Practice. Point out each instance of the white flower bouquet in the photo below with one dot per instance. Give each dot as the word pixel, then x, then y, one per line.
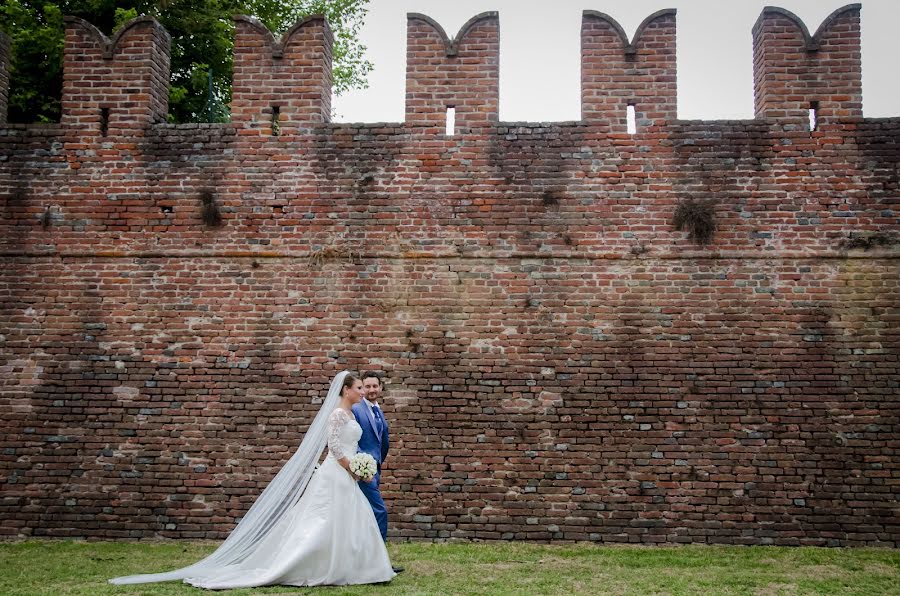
pixel 364 466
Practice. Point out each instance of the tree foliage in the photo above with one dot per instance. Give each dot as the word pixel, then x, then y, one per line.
pixel 202 42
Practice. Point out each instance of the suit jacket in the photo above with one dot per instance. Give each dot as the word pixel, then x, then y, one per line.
pixel 371 442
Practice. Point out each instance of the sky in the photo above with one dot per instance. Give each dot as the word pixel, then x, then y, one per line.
pixel 540 54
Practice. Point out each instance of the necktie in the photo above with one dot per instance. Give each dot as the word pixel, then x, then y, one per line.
pixel 379 419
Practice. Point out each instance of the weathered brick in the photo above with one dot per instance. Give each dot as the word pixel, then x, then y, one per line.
pixel 795 71
pixel 563 364
pixel 462 73
pixel 110 85
pixel 281 85
pixel 616 72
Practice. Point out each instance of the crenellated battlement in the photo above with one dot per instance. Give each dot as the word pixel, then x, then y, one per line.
pixel 795 72
pixel 616 72
pixel 284 85
pixel 281 85
pixel 114 106
pixel 111 85
pixel 462 73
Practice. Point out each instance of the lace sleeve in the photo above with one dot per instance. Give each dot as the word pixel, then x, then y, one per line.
pixel 336 422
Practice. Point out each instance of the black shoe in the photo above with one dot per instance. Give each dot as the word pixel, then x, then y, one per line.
pixel 398 569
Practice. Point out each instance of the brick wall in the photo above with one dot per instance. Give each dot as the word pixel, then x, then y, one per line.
pixel 563 364
pixel 114 87
pixel 616 73
pixel 794 71
pixel 281 86
pixel 463 74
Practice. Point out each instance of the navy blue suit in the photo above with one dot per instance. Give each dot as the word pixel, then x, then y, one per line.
pixel 374 441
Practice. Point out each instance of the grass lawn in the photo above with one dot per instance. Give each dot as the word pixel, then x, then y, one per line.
pixel 66 567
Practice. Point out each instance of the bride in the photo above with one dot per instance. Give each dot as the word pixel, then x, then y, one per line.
pixel 310 526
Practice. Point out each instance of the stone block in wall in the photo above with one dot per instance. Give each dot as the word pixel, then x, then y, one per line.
pixel 115 83
pixel 4 75
pixel 794 71
pixel 616 73
pixel 463 73
pixel 282 84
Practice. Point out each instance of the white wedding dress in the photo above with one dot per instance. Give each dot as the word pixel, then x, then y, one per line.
pixel 329 537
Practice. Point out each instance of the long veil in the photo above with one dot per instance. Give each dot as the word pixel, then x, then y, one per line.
pixel 278 497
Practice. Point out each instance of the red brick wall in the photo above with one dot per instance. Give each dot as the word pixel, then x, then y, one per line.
pixel 793 69
pixel 292 75
pixel 127 75
pixel 563 364
pixel 616 73
pixel 463 73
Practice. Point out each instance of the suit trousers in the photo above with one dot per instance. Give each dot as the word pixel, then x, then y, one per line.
pixel 373 494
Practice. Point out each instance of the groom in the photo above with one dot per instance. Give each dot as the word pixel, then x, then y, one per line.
pixel 374 441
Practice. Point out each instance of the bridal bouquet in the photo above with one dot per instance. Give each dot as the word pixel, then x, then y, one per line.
pixel 364 466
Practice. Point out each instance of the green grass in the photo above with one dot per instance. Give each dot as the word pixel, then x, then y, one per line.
pixel 66 567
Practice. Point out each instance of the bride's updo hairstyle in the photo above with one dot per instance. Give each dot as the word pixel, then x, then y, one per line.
pixel 349 380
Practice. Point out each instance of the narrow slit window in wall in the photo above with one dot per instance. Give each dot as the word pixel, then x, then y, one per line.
pixel 813 115
pixel 451 121
pixel 631 120
pixel 104 121
pixel 276 124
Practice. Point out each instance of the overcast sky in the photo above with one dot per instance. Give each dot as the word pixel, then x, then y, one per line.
pixel 540 53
